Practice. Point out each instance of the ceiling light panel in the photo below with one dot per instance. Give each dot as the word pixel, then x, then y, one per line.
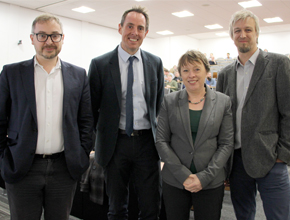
pixel 213 26
pixel 182 14
pixel 273 20
pixel 250 4
pixel 83 9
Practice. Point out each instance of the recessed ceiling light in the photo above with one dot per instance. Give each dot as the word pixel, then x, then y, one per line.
pixel 213 26
pixel 273 20
pixel 164 32
pixel 83 9
pixel 250 4
pixel 182 14
pixel 222 34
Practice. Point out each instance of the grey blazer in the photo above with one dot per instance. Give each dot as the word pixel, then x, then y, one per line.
pixel 213 145
pixel 265 127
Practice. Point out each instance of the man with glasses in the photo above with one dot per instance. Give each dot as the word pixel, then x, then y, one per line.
pixel 45 127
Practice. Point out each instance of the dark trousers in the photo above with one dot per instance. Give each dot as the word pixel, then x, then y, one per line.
pixel 207 204
pixel 274 189
pixel 48 186
pixel 136 159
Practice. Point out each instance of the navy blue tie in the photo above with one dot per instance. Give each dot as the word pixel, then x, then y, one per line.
pixel 129 99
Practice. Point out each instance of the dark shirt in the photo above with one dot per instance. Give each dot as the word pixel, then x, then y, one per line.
pixel 194 121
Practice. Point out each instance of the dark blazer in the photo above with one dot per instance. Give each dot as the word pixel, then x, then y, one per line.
pixel 265 128
pixel 213 145
pixel 105 83
pixel 18 120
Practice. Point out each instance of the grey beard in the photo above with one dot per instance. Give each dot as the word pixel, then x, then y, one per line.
pixel 244 49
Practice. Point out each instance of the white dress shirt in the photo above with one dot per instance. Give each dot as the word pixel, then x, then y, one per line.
pixel 141 119
pixel 49 108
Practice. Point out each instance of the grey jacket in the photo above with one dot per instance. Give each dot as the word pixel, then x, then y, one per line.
pixel 265 126
pixel 213 145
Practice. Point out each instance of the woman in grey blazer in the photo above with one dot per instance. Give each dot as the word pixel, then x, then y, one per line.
pixel 195 141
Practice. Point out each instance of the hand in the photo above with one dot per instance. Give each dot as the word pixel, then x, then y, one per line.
pixel 279 161
pixel 192 184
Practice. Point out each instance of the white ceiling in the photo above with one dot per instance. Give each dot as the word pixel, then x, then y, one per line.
pixel 108 14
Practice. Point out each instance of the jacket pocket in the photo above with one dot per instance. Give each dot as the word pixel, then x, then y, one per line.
pixel 12 137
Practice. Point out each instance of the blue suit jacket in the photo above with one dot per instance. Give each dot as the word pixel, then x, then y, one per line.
pixel 105 83
pixel 18 119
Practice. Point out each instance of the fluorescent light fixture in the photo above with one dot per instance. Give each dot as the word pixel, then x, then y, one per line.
pixel 250 4
pixel 83 9
pixel 165 32
pixel 273 20
pixel 182 14
pixel 222 34
pixel 213 26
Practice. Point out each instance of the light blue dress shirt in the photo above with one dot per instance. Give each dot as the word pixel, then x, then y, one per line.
pixel 244 75
pixel 141 119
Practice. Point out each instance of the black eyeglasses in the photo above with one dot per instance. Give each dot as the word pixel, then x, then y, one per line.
pixel 43 37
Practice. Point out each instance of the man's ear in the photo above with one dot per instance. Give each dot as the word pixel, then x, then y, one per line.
pixel 120 29
pixel 31 38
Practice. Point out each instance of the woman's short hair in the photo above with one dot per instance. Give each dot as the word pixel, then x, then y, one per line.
pixel 192 56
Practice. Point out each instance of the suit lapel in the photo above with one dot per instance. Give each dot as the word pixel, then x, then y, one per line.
pixel 66 72
pixel 232 85
pixel 205 116
pixel 260 65
pixel 147 69
pixel 115 72
pixel 184 113
pixel 27 74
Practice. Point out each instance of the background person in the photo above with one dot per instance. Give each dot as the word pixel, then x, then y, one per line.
pixel 171 84
pixel 194 140
pixel 211 82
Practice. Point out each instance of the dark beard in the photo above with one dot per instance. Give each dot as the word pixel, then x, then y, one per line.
pixel 208 78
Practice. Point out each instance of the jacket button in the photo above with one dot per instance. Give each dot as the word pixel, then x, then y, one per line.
pixel 191 152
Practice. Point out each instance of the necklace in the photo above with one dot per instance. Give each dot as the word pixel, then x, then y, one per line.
pixel 195 103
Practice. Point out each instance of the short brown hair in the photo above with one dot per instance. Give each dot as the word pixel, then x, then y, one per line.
pixel 192 56
pixel 44 18
pixel 138 10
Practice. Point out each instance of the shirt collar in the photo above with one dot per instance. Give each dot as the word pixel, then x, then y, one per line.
pixel 125 56
pixel 57 66
pixel 252 59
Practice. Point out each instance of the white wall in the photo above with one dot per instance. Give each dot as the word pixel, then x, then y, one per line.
pixel 84 41
pixel 274 42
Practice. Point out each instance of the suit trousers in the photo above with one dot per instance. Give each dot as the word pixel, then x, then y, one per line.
pixel 47 186
pixel 274 190
pixel 135 159
pixel 207 204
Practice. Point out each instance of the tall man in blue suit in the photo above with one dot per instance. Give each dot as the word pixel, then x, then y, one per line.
pixel 258 84
pixel 45 127
pixel 127 90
